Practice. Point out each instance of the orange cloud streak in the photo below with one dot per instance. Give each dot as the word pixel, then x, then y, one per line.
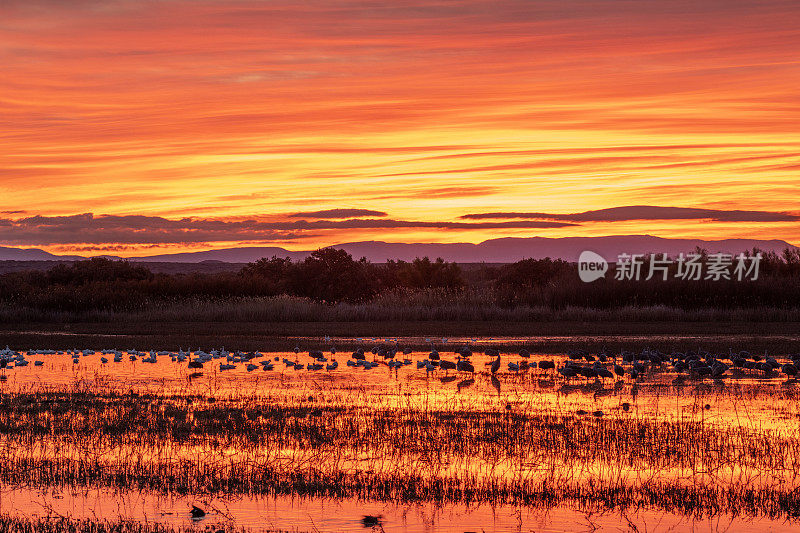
pixel 232 109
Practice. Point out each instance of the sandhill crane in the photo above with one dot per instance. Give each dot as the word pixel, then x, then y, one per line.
pixel 603 372
pixel 566 371
pixel 465 366
pixel 447 365
pixel 547 365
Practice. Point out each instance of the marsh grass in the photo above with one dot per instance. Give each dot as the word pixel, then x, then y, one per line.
pixel 479 305
pixel 17 524
pixel 326 446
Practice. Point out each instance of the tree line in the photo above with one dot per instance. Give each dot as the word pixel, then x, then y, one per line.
pixel 332 275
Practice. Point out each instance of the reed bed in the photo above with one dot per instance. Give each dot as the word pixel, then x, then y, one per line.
pixel 18 524
pixel 522 452
pixel 426 306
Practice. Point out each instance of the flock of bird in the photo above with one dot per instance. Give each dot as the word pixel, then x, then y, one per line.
pixel 578 364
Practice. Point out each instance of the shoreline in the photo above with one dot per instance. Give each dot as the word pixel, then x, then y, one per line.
pixel 543 337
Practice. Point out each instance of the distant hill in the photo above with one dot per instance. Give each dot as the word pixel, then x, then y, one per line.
pixel 225 255
pixel 506 250
pixel 32 254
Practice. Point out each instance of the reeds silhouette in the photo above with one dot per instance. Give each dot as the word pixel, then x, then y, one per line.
pixel 17 524
pixel 340 443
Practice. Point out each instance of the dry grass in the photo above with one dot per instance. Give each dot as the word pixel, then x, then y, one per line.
pixel 431 306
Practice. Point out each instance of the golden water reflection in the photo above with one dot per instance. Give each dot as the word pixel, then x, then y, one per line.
pixel 744 431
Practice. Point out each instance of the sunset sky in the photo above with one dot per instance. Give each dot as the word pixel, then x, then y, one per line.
pixel 139 127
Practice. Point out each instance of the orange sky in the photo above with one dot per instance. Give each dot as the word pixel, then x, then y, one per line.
pixel 236 114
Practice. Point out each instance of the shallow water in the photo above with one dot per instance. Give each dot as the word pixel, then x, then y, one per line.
pixel 742 394
pixel 745 401
pixel 327 515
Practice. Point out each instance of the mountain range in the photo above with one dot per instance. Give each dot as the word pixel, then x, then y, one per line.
pixel 505 250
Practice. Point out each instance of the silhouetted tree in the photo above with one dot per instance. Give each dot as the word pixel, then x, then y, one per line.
pixel 274 275
pixel 532 272
pixel 525 279
pixel 273 268
pixel 424 273
pixel 97 269
pixel 331 275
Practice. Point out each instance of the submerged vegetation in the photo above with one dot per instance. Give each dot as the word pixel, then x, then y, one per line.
pixel 698 435
pixel 62 524
pixel 330 286
pixel 532 447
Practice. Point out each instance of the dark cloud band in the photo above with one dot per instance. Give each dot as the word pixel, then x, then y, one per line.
pixel 339 213
pixel 87 228
pixel 645 212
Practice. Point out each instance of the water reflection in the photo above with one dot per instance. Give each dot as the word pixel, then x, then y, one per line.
pixel 551 443
pixel 328 515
